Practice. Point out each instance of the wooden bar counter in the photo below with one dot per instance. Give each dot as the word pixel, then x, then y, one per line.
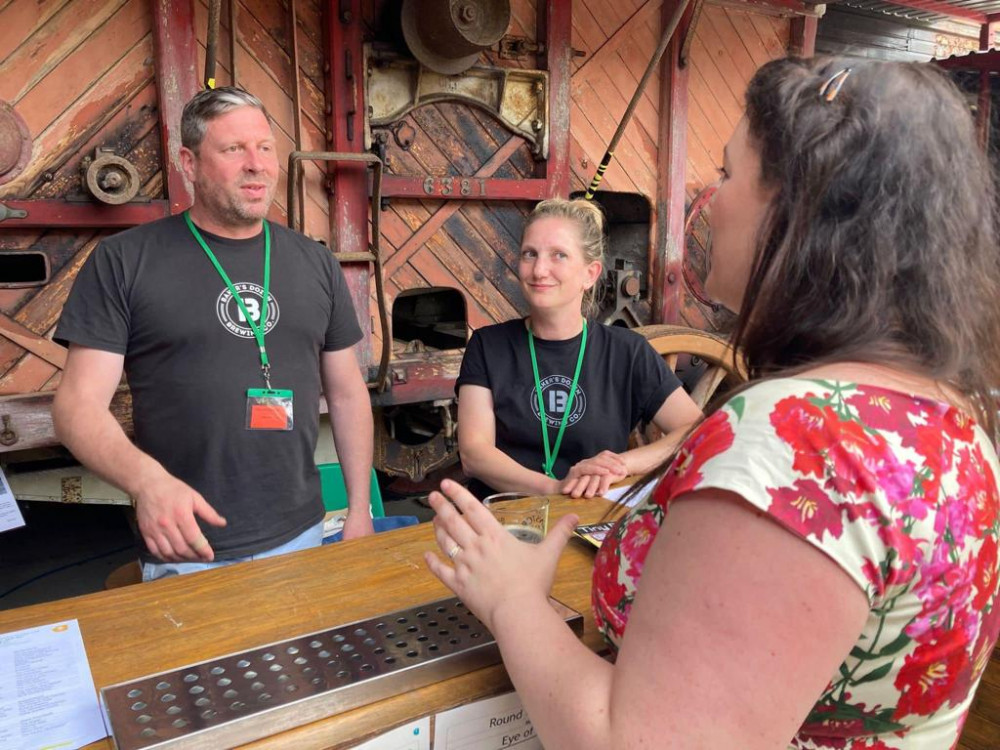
pixel 141 629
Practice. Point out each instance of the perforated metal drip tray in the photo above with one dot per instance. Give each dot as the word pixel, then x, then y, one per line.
pixel 242 697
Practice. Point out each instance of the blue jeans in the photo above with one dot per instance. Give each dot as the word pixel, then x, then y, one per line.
pixel 311 537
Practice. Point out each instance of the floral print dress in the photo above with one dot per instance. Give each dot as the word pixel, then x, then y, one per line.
pixel 900 491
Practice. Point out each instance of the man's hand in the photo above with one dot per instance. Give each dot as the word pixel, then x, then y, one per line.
pixel 357 525
pixel 165 509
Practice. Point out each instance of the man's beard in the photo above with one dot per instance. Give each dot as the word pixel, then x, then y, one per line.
pixel 231 210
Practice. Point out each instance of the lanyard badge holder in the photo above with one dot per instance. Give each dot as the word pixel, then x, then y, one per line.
pixel 553 453
pixel 267 408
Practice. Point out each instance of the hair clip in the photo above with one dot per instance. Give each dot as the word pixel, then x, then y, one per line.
pixel 829 90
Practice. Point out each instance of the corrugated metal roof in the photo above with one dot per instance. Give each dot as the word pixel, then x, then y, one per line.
pixel 986 7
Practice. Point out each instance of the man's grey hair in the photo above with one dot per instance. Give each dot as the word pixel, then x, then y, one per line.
pixel 206 105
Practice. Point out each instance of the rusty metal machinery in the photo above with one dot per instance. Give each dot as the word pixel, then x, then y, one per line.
pixel 414 440
pixel 518 98
pixel 109 177
pixel 619 294
pixel 15 143
pixel 447 36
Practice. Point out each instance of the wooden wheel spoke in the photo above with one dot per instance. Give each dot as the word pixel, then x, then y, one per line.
pixel 670 341
pixel 708 384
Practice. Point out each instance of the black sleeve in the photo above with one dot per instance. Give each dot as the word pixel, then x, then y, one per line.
pixel 343 330
pixel 652 384
pixel 473 370
pixel 96 313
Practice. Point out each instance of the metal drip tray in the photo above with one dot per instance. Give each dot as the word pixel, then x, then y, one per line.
pixel 243 697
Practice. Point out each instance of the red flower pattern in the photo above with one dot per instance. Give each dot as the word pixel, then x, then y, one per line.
pixel 859 469
pixel 985 581
pixel 807 509
pixel 928 675
pixel 712 437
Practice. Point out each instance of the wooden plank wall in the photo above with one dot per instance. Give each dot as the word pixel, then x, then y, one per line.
pixel 619 39
pixel 728 47
pixel 81 74
pixel 471 246
pixel 428 243
pixel 464 245
pixel 263 67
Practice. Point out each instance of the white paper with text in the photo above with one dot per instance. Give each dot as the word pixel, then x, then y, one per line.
pixel 47 695
pixel 413 736
pixel 619 492
pixel 493 724
pixel 10 513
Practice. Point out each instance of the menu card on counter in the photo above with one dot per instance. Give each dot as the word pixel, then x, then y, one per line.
pixel 10 514
pixel 47 695
pixel 492 724
pixel 413 736
pixel 618 493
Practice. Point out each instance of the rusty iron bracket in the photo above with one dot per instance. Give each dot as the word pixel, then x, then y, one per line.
pixel 7 436
pixel 11 213
pixel 518 98
pixel 295 159
pixel 515 47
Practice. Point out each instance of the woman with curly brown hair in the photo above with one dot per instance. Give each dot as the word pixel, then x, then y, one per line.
pixel 817 566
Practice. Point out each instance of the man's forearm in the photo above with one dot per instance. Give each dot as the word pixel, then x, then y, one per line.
pixel 95 438
pixel 353 436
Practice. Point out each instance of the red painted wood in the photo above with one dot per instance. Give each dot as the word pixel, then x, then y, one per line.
pixel 981 61
pixel 671 167
pixel 795 6
pixel 424 381
pixel 803 36
pixel 49 214
pixel 176 82
pixel 349 202
pixel 718 32
pixel 453 188
pixel 555 21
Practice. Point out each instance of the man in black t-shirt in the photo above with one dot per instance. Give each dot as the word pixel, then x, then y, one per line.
pixel 227 328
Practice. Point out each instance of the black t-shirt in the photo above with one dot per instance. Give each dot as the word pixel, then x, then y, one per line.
pixel 151 294
pixel 623 382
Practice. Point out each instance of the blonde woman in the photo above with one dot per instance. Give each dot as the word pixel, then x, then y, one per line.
pixel 546 403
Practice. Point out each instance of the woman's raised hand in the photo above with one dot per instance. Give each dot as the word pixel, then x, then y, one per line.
pixel 490 569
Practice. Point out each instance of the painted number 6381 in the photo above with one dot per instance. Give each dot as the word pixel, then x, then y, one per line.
pixel 449 186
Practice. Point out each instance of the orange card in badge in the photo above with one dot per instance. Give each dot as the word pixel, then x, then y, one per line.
pixel 268 417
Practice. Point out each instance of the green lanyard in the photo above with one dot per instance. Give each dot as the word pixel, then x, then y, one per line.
pixel 258 330
pixel 550 455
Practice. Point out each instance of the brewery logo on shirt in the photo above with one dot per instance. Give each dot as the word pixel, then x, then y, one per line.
pixel 555 395
pixel 232 317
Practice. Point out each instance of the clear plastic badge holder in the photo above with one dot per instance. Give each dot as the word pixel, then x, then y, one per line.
pixel 269 409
